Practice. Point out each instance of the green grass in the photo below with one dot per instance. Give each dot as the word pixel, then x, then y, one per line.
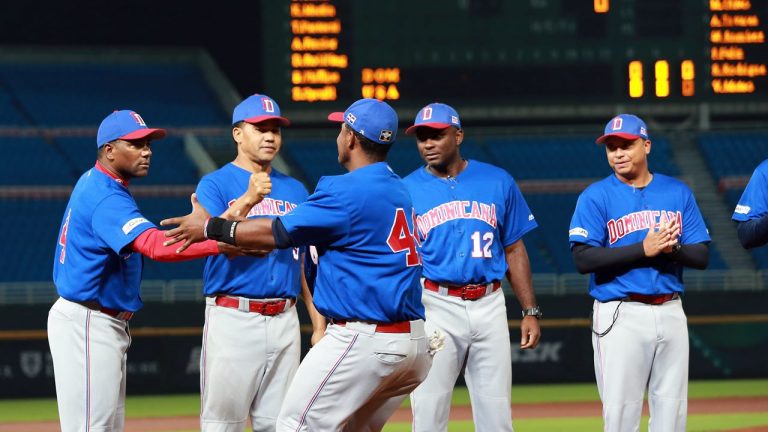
pixel 188 405
pixel 727 388
pixel 163 406
pixel 696 423
pixel 537 393
pixel 21 410
pixel 454 426
pixel 588 392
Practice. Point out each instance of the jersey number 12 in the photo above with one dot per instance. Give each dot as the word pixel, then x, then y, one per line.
pixel 402 239
pixel 485 252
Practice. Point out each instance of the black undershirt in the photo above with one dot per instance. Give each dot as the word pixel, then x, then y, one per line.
pixel 754 232
pixel 590 259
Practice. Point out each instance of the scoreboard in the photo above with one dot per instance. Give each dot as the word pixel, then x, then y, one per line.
pixel 318 54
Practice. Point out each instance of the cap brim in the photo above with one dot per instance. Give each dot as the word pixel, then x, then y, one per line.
pixel 258 119
pixel 148 133
pixel 411 130
pixel 623 135
pixel 336 117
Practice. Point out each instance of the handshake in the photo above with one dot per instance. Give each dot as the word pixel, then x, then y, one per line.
pixel 191 228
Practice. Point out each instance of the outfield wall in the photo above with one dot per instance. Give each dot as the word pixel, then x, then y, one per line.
pixel 728 333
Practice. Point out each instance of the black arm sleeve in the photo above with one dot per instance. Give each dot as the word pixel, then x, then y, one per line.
pixel 590 259
pixel 695 255
pixel 754 232
pixel 282 239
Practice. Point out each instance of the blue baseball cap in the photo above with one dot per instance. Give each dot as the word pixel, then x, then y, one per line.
pixel 256 109
pixel 435 116
pixel 127 125
pixel 625 126
pixel 371 118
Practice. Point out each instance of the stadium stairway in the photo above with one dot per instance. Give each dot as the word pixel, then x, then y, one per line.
pixel 718 215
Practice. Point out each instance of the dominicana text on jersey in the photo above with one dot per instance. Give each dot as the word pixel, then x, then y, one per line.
pixel 479 213
pixel 610 213
pixel 279 271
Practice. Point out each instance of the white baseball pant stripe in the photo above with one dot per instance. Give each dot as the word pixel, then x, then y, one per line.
pixel 477 344
pixel 89 364
pixel 646 348
pixel 325 381
pixel 354 379
pixel 246 365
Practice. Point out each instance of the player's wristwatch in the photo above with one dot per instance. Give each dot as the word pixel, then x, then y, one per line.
pixel 534 311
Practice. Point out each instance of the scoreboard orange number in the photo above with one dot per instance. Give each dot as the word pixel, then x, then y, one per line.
pixel 687 73
pixel 635 79
pixel 661 70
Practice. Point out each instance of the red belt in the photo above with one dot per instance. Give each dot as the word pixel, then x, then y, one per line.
pixel 656 299
pixel 268 308
pixel 466 292
pixel 396 327
pixel 114 313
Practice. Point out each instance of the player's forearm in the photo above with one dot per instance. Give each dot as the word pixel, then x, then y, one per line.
pixel 249 234
pixel 694 255
pixel 150 244
pixel 519 274
pixel 255 234
pixel 240 208
pixel 259 185
pixel 754 232
pixel 590 259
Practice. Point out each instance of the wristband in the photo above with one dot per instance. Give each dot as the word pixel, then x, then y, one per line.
pixel 221 230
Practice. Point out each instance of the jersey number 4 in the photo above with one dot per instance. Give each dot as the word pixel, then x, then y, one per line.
pixel 401 239
pixel 63 238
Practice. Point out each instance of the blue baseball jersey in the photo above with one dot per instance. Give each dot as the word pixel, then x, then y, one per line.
pixel 610 213
pixel 466 222
pixel 93 260
pixel 361 224
pixel 754 203
pixel 276 275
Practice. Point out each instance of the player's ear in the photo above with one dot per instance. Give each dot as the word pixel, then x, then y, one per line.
pixel 108 150
pixel 350 139
pixel 459 136
pixel 237 133
pixel 647 146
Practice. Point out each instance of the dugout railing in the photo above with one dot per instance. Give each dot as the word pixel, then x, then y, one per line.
pixel 185 290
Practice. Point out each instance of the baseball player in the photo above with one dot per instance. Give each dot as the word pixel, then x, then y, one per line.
pixel 251 339
pixel 471 218
pixel 97 272
pixel 375 351
pixel 634 231
pixel 752 210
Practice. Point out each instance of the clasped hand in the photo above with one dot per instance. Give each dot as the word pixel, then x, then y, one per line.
pixel 661 240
